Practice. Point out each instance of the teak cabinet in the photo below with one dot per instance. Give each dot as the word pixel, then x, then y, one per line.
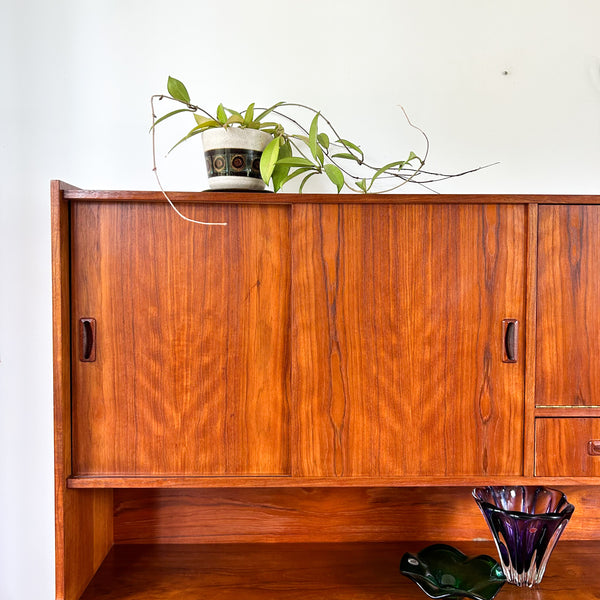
pixel 323 376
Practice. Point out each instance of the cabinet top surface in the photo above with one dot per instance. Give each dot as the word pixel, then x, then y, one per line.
pixel 71 193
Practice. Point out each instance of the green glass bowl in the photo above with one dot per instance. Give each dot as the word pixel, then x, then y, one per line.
pixel 442 571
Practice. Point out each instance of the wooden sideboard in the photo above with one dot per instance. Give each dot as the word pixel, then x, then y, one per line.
pixel 280 407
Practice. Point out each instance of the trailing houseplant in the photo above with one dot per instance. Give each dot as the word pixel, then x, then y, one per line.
pixel 295 149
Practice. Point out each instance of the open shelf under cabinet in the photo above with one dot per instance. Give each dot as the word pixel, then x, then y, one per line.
pixel 292 543
pixel 340 571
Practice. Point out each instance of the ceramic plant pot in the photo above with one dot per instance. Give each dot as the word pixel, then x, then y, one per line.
pixel 526 522
pixel 232 157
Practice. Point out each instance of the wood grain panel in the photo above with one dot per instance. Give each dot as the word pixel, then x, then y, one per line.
pixel 568 317
pixel 191 371
pixel 561 447
pixel 318 515
pixel 397 328
pixel 311 572
pixel 87 538
pixel 295 515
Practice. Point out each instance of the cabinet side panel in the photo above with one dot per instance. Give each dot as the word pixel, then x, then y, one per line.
pixel 61 372
pixel 83 522
pixel 568 318
pixel 191 370
pixel 398 356
pixel 88 537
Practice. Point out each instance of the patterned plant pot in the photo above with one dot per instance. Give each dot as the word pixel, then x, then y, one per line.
pixel 526 522
pixel 232 157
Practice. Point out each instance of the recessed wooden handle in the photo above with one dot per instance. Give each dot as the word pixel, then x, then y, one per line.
pixel 87 340
pixel 510 333
pixel 594 447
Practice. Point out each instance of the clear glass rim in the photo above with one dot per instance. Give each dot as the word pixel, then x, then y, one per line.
pixel 566 510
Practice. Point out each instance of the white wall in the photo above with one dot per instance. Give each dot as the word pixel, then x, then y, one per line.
pixel 76 81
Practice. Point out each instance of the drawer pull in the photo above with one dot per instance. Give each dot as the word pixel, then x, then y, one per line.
pixel 594 447
pixel 87 340
pixel 510 333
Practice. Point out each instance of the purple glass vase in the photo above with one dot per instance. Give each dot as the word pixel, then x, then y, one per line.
pixel 526 522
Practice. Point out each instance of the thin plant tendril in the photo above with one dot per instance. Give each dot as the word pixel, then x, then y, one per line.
pixel 154 168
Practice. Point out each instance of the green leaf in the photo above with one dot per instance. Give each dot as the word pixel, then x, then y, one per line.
pixel 349 145
pixel 234 119
pixel 384 169
pixel 323 139
pixel 270 127
pixel 268 110
pixel 190 134
pixel 231 111
pixel 412 156
pixel 206 122
pixel 362 184
pixel 221 114
pixel 177 90
pixel 272 130
pixel 335 175
pixel 320 155
pixel 249 115
pixel 297 161
pixel 280 171
pixel 269 159
pixel 302 138
pixel 312 135
pixel 346 155
pixel 295 174
pixel 305 180
pixel 179 110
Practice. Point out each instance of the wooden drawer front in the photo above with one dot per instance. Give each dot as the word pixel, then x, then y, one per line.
pixel 567 447
pixel 568 295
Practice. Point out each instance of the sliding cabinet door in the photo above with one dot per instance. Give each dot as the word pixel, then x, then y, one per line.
pixel 399 342
pixel 181 340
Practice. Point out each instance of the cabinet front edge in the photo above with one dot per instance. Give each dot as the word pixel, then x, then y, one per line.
pixel 81 482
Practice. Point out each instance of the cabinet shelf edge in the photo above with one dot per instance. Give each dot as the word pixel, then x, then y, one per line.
pixel 89 482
